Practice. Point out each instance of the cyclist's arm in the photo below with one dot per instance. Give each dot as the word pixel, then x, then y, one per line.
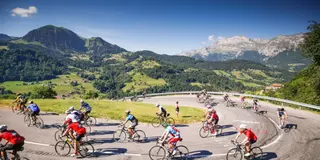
pixel 66 132
pixel 238 135
pixel 245 140
pixel 163 136
pixel 286 115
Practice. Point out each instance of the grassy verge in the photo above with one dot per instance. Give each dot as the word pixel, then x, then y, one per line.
pixel 115 110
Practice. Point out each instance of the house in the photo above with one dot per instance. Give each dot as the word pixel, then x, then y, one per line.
pixel 274 86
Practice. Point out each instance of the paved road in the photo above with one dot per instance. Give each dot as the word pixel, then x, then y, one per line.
pixel 300 143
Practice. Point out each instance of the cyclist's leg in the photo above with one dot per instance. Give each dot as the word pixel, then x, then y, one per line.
pixel 172 142
pixel 77 143
pixel 5 149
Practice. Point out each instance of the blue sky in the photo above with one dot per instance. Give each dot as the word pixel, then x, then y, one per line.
pixel 164 26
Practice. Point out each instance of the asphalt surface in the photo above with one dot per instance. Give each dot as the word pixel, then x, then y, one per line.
pixel 300 143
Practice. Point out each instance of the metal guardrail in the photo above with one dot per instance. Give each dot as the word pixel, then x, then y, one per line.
pixel 233 94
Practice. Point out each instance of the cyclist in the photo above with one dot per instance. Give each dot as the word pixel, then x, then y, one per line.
pixel 225 96
pixel 162 111
pixel 71 117
pixel 204 92
pixel 87 108
pixel 174 132
pixel 250 139
pixel 255 104
pixel 177 108
pixel 282 114
pixel 243 98
pixel 21 101
pixel 77 132
pixel 34 109
pixel 213 117
pixel 133 120
pixel 15 142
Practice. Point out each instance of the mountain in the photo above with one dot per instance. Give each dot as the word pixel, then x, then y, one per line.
pixel 97 47
pixel 258 50
pixel 4 37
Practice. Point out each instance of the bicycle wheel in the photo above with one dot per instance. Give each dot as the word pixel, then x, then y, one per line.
pixel 233 154
pixel 156 122
pixel 256 153
pixel 139 136
pixel 88 128
pixel 57 135
pixel 86 149
pixel 91 121
pixel 157 153
pixel 39 123
pixel 182 152
pixel 119 135
pixel 170 120
pixel 62 148
pixel 204 132
pixel 27 120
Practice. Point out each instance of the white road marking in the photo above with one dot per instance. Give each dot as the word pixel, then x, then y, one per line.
pixel 39 144
pixel 249 122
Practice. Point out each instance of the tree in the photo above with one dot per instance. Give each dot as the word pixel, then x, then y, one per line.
pixel 43 92
pixel 311 45
pixel 91 94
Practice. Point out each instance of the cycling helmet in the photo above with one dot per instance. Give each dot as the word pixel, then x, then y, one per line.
pixel 67 112
pixel 177 102
pixel 209 106
pixel 210 109
pixel 31 102
pixel 157 105
pixel 3 128
pixel 71 108
pixel 81 100
pixel 127 111
pixel 282 109
pixel 18 94
pixel 243 126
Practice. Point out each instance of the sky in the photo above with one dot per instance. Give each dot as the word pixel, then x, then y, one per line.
pixel 164 26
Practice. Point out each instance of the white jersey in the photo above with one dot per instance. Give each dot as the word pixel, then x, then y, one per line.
pixel 73 117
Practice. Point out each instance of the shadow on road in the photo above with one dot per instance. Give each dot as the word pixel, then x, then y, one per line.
pixel 100 132
pixel 288 127
pixel 107 124
pixel 297 117
pixel 101 140
pixel 181 125
pixel 199 154
pixel 227 133
pixel 226 126
pixel 49 113
pixel 48 126
pixel 269 155
pixel 151 139
pixel 101 152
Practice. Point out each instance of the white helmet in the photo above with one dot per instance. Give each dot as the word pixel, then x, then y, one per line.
pixel 127 111
pixel 243 126
pixel 31 101
pixel 81 100
pixel 71 108
pixel 3 127
pixel 157 105
pixel 209 106
pixel 67 112
pixel 210 109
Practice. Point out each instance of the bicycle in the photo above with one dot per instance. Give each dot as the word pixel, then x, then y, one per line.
pixel 16 156
pixel 230 103
pixel 86 149
pixel 239 150
pixel 120 135
pixel 157 121
pixel 161 151
pixel 62 129
pixel 28 120
pixel 208 128
pixel 91 121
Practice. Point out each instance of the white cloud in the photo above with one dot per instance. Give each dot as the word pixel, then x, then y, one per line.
pixel 211 38
pixel 204 43
pixel 221 38
pixel 22 12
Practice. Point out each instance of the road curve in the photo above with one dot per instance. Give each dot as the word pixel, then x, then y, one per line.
pixel 300 143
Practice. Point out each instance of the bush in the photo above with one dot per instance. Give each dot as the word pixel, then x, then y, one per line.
pixel 91 95
pixel 43 92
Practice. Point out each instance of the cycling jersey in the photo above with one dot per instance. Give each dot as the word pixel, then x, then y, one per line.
pixel 34 108
pixel 161 109
pixel 215 116
pixel 86 106
pixel 173 131
pixel 281 113
pixel 77 128
pixel 73 118
pixel 251 136
pixel 131 118
pixel 12 136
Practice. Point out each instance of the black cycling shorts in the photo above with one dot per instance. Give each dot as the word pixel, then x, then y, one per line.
pixel 14 147
pixel 133 125
pixel 177 109
pixel 79 137
pixel 35 113
pixel 87 112
pixel 216 122
pixel 163 113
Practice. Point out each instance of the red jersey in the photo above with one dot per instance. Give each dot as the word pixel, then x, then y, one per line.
pixel 249 134
pixel 12 136
pixel 215 116
pixel 77 127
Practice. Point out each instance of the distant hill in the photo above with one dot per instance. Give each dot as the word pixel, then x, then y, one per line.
pixel 4 37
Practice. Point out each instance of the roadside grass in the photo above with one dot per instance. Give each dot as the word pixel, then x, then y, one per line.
pixel 115 110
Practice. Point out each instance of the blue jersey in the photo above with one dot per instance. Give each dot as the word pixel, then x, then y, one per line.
pixel 86 106
pixel 172 131
pixel 34 108
pixel 131 118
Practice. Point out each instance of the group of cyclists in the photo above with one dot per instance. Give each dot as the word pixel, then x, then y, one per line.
pixel 75 129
